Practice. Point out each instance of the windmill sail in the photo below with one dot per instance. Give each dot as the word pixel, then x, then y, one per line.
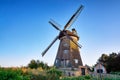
pixel 43 53
pixel 72 19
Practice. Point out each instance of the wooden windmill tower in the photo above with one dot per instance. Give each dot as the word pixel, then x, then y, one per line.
pixel 68 54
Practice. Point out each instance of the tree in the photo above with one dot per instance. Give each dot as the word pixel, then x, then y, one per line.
pixel 110 61
pixel 36 63
pixel 33 64
pixel 104 59
pixel 111 64
pixel 118 62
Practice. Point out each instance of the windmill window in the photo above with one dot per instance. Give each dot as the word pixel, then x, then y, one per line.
pixel 56 60
pixel 67 62
pixel 66 51
pixel 65 45
pixel 76 60
pixel 99 71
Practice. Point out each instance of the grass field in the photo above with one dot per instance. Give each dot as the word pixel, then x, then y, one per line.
pixel 52 74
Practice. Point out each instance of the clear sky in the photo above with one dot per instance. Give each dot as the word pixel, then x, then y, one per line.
pixel 25 31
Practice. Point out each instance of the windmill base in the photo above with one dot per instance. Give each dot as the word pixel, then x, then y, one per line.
pixel 82 70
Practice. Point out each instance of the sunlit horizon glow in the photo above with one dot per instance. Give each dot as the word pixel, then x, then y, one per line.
pixel 25 31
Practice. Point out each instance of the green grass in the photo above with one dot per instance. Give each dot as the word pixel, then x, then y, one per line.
pixel 40 74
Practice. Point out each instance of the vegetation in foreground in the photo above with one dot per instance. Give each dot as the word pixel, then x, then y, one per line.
pixel 35 74
pixel 40 74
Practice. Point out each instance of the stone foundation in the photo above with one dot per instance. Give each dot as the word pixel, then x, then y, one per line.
pixel 82 70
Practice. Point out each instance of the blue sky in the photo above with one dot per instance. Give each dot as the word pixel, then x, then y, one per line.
pixel 25 31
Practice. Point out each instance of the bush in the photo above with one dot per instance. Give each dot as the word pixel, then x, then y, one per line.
pixel 53 74
pixel 12 74
pixel 37 77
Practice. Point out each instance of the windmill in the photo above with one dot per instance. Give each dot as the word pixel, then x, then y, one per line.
pixel 68 54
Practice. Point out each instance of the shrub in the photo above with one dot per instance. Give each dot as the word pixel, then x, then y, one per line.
pixel 53 74
pixel 12 74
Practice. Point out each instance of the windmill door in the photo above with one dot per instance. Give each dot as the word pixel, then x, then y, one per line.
pixel 83 71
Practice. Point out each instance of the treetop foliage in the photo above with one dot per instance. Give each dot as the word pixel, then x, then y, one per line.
pixel 111 61
pixel 34 64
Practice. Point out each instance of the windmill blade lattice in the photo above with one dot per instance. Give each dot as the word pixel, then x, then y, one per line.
pixel 56 27
pixel 72 19
pixel 43 53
